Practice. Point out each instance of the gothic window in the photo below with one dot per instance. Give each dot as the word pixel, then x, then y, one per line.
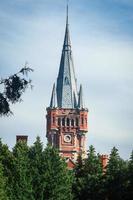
pixel 59 121
pixel 77 122
pixel 63 122
pixel 66 80
pixel 86 120
pixel 53 120
pixel 68 122
pixel 82 120
pixel 72 122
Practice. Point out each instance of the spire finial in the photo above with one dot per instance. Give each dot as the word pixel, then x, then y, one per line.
pixel 67 12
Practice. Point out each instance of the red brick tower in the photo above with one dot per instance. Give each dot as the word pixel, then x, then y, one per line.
pixel 21 138
pixel 104 160
pixel 67 118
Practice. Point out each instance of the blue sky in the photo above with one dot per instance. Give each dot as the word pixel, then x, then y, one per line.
pixel 102 43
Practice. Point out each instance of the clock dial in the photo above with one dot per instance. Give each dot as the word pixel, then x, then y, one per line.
pixel 67 138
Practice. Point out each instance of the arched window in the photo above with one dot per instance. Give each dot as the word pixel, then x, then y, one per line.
pixel 66 80
pixel 77 122
pixel 86 120
pixel 59 121
pixel 63 121
pixel 53 119
pixel 82 120
pixel 72 122
pixel 68 122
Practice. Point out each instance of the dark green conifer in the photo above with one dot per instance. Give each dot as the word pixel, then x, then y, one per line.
pixel 3 192
pixel 130 178
pixel 21 180
pixel 90 187
pixel 37 169
pixel 79 174
pixel 58 179
pixel 6 159
pixel 94 176
pixel 116 177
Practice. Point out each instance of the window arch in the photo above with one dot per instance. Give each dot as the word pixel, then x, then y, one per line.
pixel 53 119
pixel 82 120
pixel 66 80
pixel 86 120
pixel 72 122
pixel 59 121
pixel 68 121
pixel 63 121
pixel 77 122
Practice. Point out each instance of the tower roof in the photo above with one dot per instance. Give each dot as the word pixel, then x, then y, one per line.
pixel 66 89
pixel 64 94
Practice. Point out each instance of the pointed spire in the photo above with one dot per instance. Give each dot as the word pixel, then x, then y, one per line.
pixel 80 100
pixel 53 98
pixel 67 96
pixel 67 14
pixel 67 42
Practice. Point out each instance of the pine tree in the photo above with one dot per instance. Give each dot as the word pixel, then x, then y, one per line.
pixel 37 169
pixel 94 176
pixel 79 174
pixel 116 177
pixel 3 192
pixel 21 180
pixel 130 178
pixel 58 179
pixel 6 159
pixel 91 181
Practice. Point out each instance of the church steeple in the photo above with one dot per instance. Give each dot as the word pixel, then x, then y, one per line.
pixel 67 120
pixel 66 89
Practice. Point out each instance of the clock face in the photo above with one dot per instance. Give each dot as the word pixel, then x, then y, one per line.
pixel 67 138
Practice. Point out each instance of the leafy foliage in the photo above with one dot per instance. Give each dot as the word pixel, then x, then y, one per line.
pixel 3 193
pixel 130 178
pixel 36 173
pixel 13 88
pixel 6 160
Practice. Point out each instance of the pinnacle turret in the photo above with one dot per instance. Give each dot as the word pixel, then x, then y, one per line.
pixel 80 100
pixel 53 98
